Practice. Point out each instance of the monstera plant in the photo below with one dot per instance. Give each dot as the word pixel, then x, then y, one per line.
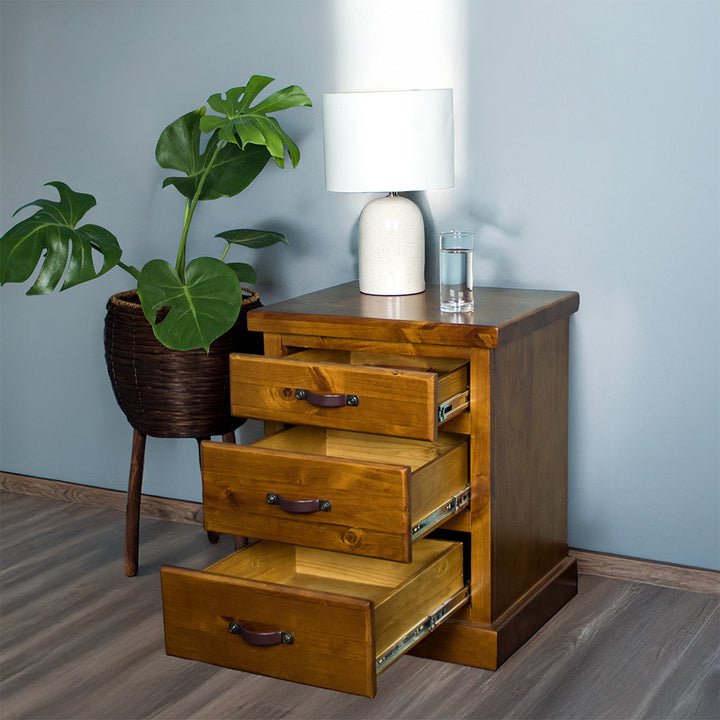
pixel 213 154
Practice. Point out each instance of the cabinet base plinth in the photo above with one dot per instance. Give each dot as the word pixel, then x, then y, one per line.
pixel 488 646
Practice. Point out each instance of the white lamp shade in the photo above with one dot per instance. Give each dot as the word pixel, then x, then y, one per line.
pixel 390 141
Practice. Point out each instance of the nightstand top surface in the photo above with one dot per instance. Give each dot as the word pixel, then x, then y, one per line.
pixel 500 315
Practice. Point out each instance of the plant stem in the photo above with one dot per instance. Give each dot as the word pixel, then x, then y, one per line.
pixel 190 206
pixel 180 264
pixel 129 269
pixel 225 252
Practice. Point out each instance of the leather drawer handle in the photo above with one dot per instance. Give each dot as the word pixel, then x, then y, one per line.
pixel 298 506
pixel 327 400
pixel 261 639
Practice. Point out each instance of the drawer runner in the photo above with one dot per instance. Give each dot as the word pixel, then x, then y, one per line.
pixel 422 629
pixel 453 406
pixel 451 507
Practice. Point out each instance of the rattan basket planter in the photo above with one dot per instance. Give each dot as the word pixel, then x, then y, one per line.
pixel 172 393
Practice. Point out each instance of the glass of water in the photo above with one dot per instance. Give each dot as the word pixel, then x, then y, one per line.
pixel 456 272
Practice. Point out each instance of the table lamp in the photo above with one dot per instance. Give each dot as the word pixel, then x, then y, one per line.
pixel 389 141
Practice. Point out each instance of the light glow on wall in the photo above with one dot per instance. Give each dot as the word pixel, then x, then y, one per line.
pixel 404 45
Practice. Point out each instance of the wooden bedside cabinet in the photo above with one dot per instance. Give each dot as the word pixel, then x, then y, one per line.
pixel 410 492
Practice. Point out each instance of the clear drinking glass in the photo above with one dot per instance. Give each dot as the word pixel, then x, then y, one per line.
pixel 456 271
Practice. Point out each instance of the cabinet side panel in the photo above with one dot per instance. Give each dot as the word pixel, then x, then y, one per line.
pixel 529 461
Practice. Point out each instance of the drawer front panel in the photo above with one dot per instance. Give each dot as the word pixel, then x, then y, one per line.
pixel 388 401
pixel 308 615
pixel 347 504
pixel 332 635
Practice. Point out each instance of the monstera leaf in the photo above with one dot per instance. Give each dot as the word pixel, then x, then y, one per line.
pixel 201 307
pixel 212 156
pixel 252 239
pixel 244 126
pixel 224 170
pixel 67 249
pixel 245 273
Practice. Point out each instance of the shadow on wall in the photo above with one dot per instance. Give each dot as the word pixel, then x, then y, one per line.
pixel 492 263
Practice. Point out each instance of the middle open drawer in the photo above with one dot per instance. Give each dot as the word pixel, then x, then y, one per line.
pixel 351 492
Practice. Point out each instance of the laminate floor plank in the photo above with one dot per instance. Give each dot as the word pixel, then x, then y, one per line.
pixel 80 640
pixel 616 642
pixel 690 688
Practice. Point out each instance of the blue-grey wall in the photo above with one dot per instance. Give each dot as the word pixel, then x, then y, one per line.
pixel 588 158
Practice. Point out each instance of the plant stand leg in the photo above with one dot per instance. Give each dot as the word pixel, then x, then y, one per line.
pixel 132 511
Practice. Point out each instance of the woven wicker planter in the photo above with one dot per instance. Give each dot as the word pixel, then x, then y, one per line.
pixel 171 393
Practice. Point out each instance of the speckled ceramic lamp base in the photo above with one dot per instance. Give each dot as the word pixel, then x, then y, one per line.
pixel 392 247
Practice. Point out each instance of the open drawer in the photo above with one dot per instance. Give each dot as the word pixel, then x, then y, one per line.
pixel 310 616
pixel 350 492
pixel 399 395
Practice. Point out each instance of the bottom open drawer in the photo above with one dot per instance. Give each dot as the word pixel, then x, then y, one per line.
pixel 312 616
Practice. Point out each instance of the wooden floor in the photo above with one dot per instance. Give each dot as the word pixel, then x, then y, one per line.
pixel 80 640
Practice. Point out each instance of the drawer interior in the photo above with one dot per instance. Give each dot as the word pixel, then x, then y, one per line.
pixel 452 372
pixel 403 595
pixel 387 360
pixel 431 486
pixel 360 446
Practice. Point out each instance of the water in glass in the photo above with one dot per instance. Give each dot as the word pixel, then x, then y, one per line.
pixel 456 272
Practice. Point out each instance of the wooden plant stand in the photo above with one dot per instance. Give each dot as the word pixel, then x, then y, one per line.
pixel 134 496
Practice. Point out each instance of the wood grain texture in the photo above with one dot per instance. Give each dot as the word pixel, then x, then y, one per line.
pixel 134 496
pixel 529 417
pixel 297 340
pixel 501 315
pixel 264 388
pixel 669 575
pixel 480 477
pixel 80 641
pixel 179 511
pixel 461 640
pixel 681 577
pixel 341 613
pixel 330 631
pixel 378 488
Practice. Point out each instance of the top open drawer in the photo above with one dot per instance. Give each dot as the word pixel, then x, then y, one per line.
pixel 398 395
